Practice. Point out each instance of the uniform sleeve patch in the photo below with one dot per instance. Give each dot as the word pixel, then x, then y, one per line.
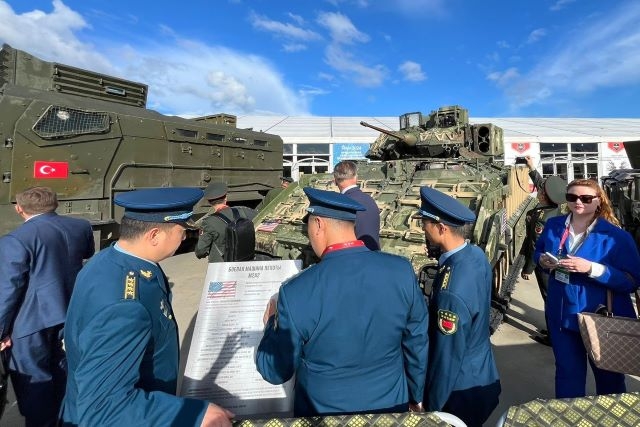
pixel 447 322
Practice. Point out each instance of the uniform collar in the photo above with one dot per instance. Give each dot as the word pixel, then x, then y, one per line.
pixel 443 258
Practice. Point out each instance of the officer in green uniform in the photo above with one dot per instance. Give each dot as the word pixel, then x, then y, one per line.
pixel 121 335
pixel 212 240
pixel 273 193
pixel 551 194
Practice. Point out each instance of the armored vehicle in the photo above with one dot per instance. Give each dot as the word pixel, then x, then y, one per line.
pixel 89 136
pixel 441 150
pixel 623 189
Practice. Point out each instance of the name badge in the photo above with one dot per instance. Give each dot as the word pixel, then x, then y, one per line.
pixel 562 276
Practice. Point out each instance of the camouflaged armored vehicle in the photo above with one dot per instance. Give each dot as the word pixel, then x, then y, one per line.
pixel 623 189
pixel 89 136
pixel 441 150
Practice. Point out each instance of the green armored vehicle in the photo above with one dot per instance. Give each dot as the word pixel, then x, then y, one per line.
pixel 441 150
pixel 623 189
pixel 89 136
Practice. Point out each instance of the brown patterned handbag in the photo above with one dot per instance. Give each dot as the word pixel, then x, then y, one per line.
pixel 613 343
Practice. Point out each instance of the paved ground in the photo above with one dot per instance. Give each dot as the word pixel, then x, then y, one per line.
pixel 526 367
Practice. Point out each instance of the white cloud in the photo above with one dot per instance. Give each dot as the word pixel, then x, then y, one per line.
pixel 502 78
pixel 296 18
pixel 560 4
pixel 50 35
pixel 286 30
pixel 502 44
pixel 344 34
pixel 341 28
pixel 362 75
pixel 605 53
pixel 185 77
pixel 536 35
pixel 294 47
pixel 412 71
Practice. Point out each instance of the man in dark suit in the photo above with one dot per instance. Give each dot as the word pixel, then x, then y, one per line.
pixel 345 175
pixel 39 262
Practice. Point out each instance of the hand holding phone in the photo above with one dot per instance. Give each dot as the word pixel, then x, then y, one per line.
pixel 552 257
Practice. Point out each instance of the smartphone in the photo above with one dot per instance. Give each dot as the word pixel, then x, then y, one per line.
pixel 552 256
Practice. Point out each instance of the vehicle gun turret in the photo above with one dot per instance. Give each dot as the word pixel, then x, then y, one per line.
pixel 444 133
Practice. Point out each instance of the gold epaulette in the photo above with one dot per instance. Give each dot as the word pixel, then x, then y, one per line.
pixel 131 286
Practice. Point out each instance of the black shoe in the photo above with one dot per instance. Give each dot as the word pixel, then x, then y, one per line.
pixel 542 339
pixel 544 332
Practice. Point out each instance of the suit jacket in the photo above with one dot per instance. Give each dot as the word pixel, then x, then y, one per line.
pixel 39 262
pixel 367 221
pixel 356 338
pixel 121 339
pixel 606 244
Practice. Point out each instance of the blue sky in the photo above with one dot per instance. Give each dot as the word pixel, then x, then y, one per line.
pixel 531 58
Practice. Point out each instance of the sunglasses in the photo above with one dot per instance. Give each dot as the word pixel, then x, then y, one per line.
pixel 584 198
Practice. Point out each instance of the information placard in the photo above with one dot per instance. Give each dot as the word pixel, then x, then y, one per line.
pixel 221 363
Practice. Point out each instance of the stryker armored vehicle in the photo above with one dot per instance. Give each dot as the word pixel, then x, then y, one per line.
pixel 623 189
pixel 89 136
pixel 443 151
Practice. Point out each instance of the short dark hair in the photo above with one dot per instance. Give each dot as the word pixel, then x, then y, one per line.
pixel 131 229
pixel 37 200
pixel 344 170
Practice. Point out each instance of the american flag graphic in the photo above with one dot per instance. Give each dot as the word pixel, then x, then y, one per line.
pixel 222 290
pixel 268 226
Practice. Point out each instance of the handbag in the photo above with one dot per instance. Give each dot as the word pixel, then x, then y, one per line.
pixel 613 343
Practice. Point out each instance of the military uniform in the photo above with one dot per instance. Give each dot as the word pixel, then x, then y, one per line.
pixel 121 336
pixel 212 240
pixel 462 377
pixel 554 188
pixel 356 338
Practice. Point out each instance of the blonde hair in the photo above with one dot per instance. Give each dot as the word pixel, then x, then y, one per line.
pixel 605 210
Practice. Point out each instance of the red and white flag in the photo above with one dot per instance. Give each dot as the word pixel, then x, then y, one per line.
pixel 50 170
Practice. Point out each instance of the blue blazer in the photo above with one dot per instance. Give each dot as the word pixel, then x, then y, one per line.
pixel 353 328
pixel 121 340
pixel 608 245
pixel 39 262
pixel 367 221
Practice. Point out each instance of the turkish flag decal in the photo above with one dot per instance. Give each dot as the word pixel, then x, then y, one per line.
pixel 49 170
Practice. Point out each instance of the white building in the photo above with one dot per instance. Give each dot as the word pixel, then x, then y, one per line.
pixel 570 147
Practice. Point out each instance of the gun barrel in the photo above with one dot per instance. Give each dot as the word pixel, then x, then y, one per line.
pixel 408 139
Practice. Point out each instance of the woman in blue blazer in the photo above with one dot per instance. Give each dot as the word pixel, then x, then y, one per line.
pixel 586 253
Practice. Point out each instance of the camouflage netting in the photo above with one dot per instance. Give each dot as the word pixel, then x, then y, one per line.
pixel 410 419
pixel 609 411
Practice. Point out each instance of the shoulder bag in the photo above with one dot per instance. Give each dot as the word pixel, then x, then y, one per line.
pixel 613 343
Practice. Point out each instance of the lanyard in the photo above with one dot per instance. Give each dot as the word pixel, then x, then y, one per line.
pixel 577 245
pixel 345 245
